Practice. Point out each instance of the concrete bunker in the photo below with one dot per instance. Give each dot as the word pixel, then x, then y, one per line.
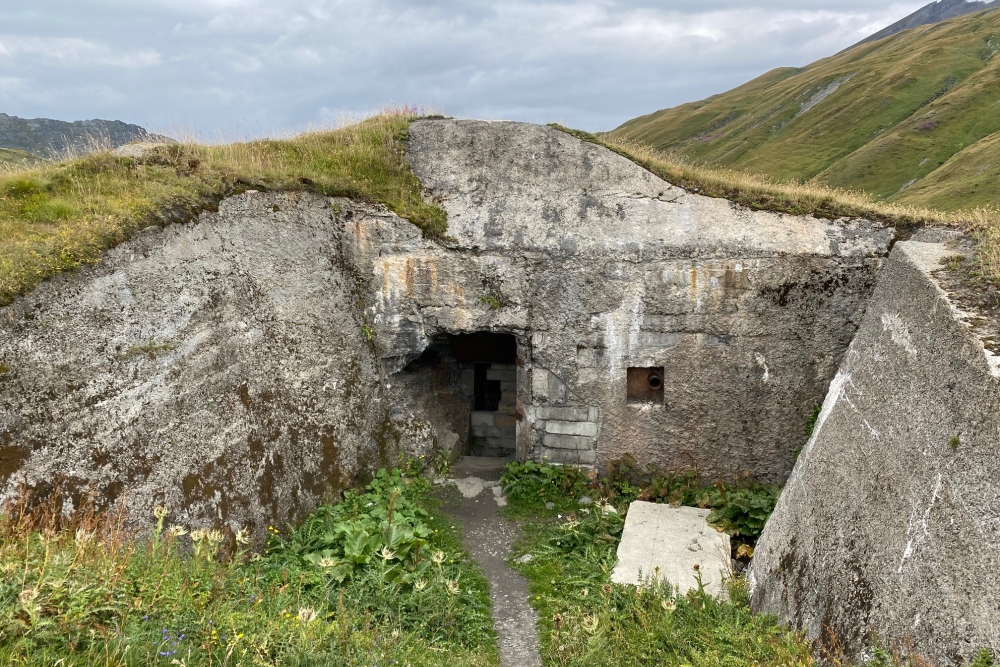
pixel 299 361
pixel 681 330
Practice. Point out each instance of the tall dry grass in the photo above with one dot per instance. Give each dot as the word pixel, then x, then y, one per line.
pixel 759 191
pixel 58 216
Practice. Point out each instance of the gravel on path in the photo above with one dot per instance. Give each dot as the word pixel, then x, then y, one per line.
pixel 489 538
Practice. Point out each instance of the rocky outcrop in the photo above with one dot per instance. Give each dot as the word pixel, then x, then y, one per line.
pixel 238 367
pixel 934 12
pixel 889 528
pixel 220 368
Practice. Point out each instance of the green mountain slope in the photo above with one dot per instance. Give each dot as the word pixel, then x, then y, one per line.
pixel 901 118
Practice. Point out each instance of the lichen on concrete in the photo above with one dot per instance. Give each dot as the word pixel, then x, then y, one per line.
pixel 262 395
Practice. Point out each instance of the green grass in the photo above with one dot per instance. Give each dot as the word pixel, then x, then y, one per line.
pixel 586 620
pixel 740 509
pixel 907 106
pixel 85 592
pixel 58 216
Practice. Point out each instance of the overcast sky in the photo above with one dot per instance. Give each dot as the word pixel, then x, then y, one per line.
pixel 235 68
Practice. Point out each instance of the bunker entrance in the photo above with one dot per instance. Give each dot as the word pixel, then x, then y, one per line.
pixel 466 385
pixel 492 422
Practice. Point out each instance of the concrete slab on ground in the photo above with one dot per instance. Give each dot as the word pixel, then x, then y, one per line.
pixel 667 543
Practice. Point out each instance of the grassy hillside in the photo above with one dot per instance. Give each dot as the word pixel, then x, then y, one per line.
pixel 898 118
pixel 57 139
pixel 61 215
pixel 14 160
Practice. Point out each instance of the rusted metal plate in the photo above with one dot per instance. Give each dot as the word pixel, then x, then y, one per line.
pixel 645 385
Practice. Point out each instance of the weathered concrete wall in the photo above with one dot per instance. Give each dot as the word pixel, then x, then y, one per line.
pixel 220 368
pixel 237 367
pixel 600 266
pixel 890 524
pixel 440 390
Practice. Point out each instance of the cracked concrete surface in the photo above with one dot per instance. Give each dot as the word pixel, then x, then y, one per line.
pixel 489 537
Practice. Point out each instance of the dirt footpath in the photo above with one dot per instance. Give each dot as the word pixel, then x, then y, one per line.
pixel 489 538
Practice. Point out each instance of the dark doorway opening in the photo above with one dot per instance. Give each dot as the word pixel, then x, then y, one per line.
pixel 488 392
pixel 484 348
pixel 493 421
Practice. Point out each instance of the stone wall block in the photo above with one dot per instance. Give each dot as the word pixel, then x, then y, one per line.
pixel 564 414
pixel 588 429
pixel 501 375
pixel 506 421
pixel 568 456
pixel 539 384
pixel 555 441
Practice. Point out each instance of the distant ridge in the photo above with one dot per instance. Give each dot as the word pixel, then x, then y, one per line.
pixel 935 12
pixel 47 138
pixel 912 119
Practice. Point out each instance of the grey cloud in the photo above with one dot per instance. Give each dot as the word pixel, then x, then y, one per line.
pixel 255 67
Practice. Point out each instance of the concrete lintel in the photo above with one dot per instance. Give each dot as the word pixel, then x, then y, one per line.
pixel 669 543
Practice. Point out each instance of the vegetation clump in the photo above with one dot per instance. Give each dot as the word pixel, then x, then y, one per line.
pixel 569 552
pixel 586 620
pixel 378 578
pixel 741 509
pixel 58 216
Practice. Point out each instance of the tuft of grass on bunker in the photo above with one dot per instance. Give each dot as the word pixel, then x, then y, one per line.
pixel 586 620
pixel 378 578
pixel 58 216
